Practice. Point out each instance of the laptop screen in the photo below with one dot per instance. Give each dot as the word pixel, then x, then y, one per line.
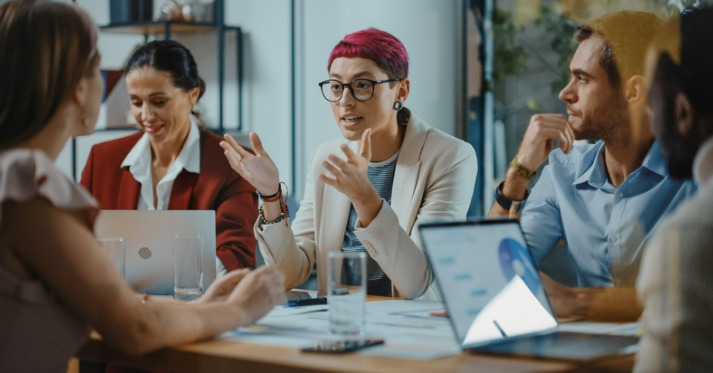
pixel 487 279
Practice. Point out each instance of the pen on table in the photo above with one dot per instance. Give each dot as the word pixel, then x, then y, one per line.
pixel 500 329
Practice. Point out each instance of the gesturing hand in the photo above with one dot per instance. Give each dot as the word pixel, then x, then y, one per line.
pixel 350 178
pixel 258 169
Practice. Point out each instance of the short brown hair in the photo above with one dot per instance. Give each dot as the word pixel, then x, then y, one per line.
pixel 627 34
pixel 47 47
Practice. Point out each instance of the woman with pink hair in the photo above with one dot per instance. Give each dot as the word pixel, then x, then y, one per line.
pixel 369 193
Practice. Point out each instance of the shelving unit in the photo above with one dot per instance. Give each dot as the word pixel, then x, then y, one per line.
pixel 218 26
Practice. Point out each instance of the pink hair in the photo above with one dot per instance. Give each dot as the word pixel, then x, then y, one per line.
pixel 379 46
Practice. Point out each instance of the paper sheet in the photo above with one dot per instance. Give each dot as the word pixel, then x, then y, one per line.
pixel 408 330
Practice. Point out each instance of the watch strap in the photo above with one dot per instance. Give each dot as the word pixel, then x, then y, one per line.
pixel 506 202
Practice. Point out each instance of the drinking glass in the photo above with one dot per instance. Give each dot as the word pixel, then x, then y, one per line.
pixel 346 293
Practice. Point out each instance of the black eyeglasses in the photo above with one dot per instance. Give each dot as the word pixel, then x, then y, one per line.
pixel 361 89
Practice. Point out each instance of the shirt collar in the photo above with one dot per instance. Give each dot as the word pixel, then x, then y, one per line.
pixel 190 154
pixel 596 174
pixel 593 169
pixel 140 154
pixel 655 161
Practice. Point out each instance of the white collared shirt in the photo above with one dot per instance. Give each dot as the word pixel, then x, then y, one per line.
pixel 139 162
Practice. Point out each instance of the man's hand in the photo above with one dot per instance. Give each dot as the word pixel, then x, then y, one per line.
pixel 596 303
pixel 539 139
pixel 542 132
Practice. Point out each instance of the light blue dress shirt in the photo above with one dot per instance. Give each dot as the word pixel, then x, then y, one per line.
pixel 605 228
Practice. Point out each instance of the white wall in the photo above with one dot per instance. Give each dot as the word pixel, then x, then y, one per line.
pixel 430 30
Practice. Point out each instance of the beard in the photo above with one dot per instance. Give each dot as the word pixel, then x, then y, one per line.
pixel 679 149
pixel 610 122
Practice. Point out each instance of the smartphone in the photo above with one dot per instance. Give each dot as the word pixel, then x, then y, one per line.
pixel 342 346
pixel 302 298
pixel 306 302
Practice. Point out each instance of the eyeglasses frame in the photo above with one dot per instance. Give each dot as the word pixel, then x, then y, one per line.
pixel 351 89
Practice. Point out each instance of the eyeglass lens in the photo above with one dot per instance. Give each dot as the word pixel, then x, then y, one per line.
pixel 361 89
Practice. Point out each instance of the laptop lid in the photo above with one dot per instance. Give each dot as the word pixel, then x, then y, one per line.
pixel 149 244
pixel 487 279
pixel 494 296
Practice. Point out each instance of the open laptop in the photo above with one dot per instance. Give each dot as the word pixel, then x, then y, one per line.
pixel 494 297
pixel 149 244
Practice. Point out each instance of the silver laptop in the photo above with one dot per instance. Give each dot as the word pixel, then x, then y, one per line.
pixel 149 244
pixel 494 297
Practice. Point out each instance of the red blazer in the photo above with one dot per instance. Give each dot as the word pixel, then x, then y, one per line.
pixel 217 187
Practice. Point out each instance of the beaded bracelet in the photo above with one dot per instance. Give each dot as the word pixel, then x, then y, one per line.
pixel 284 211
pixel 285 214
pixel 522 171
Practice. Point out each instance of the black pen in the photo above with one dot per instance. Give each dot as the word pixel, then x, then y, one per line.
pixel 306 302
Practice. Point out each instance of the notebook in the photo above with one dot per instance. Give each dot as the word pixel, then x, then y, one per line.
pixel 495 300
pixel 149 244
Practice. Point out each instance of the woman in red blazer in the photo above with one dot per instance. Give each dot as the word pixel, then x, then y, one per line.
pixel 172 164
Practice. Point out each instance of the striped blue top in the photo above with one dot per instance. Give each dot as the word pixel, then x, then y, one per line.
pixel 381 176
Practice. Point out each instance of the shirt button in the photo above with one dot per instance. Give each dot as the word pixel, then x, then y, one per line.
pixel 613 239
pixel 620 195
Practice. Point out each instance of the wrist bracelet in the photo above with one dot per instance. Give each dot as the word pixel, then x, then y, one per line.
pixel 522 171
pixel 271 197
pixel 277 197
pixel 283 215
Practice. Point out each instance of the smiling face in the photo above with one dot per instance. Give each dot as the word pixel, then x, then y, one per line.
pixel 596 109
pixel 161 109
pixel 354 117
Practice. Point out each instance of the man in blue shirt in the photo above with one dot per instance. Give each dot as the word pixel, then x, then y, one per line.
pixel 602 199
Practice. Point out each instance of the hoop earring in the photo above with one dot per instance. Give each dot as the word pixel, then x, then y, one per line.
pixel 398 105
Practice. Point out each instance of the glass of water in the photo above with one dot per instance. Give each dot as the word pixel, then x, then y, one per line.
pixel 346 291
pixel 187 267
pixel 115 248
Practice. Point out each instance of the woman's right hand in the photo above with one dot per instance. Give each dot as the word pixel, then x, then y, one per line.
pixel 258 292
pixel 258 169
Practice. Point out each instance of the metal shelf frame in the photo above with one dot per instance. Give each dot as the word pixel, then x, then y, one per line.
pixel 218 26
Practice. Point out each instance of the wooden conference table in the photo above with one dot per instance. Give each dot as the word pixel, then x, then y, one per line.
pixel 226 356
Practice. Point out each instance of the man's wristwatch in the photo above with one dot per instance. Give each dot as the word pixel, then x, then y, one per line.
pixel 507 203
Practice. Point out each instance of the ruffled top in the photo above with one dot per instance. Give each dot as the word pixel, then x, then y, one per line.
pixel 37 332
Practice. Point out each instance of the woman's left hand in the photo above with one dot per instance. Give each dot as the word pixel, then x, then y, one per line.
pixel 223 286
pixel 349 176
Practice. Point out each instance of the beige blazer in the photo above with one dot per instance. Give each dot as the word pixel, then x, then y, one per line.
pixel 434 181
